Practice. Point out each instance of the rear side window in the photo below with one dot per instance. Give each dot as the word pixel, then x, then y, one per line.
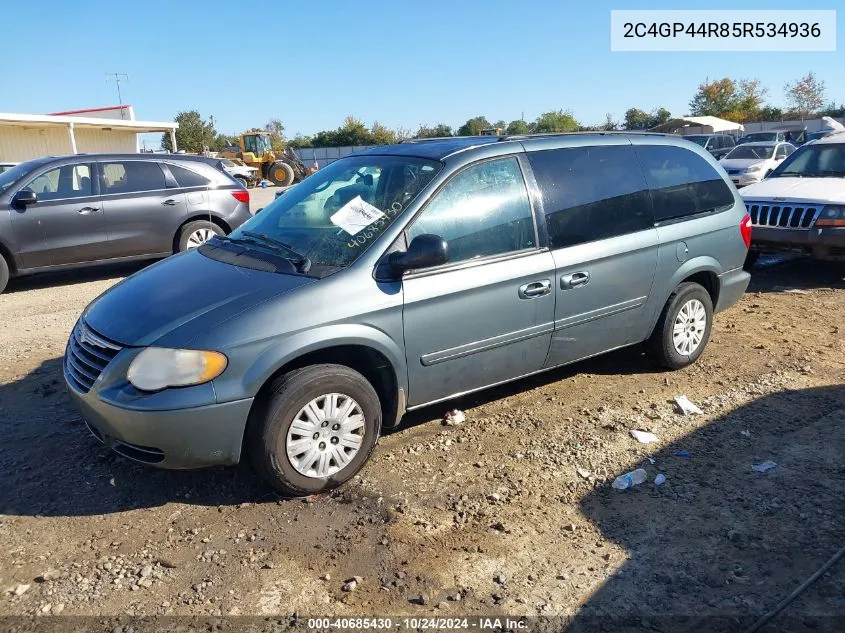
pixel 682 183
pixel 188 178
pixel 591 193
pixel 131 176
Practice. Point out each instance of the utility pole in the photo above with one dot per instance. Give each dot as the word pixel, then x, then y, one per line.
pixel 117 78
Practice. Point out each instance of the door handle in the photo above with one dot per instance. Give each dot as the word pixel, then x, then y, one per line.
pixel 535 289
pixel 574 280
pixel 88 210
pixel 170 202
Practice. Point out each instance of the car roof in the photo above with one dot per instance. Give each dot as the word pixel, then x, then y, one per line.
pixel 836 137
pixel 434 149
pixel 765 143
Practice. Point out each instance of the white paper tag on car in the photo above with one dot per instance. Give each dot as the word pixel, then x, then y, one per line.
pixel 356 215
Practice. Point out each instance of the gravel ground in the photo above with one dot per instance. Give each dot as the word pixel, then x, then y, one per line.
pixel 510 512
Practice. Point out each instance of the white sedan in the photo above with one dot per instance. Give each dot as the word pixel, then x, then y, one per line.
pixel 751 162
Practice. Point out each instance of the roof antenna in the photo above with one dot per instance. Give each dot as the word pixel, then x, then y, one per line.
pixel 117 78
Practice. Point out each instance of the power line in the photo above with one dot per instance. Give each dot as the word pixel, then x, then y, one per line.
pixel 117 78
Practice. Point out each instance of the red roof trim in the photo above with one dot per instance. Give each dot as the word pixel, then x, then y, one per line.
pixel 90 110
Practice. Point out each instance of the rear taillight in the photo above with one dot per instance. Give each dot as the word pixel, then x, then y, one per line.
pixel 241 195
pixel 745 229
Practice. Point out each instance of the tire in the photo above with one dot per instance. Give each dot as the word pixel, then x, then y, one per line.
pixel 193 234
pixel 244 182
pixel 281 174
pixel 4 273
pixel 750 260
pixel 271 430
pixel 661 346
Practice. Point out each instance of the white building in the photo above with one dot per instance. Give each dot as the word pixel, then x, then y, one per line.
pixel 112 129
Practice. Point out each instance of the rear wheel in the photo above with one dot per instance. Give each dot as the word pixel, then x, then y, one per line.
pixel 281 174
pixel 315 430
pixel 684 327
pixel 4 273
pixel 196 234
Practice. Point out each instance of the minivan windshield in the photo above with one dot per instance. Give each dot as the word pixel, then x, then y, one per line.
pixel 10 177
pixel 334 215
pixel 826 160
pixel 758 152
pixel 756 137
pixel 698 139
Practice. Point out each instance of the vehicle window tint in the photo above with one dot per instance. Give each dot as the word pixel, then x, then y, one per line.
pixel 728 141
pixel 482 211
pixel 789 149
pixel 591 193
pixel 131 176
pixel 781 152
pixel 682 183
pixel 188 178
pixel 69 181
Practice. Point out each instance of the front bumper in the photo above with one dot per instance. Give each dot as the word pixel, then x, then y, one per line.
pixel 743 180
pixel 200 433
pixel 824 243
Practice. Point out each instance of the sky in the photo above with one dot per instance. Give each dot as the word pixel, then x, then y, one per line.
pixel 312 63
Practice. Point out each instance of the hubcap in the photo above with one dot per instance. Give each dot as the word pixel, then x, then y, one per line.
pixel 688 331
pixel 325 435
pixel 200 236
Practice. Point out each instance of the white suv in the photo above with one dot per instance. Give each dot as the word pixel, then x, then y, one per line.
pixel 800 207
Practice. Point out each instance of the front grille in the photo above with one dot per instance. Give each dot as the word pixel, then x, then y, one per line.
pixel 86 356
pixel 783 216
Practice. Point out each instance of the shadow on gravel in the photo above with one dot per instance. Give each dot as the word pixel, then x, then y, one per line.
pixel 720 544
pixel 75 276
pixel 50 465
pixel 801 273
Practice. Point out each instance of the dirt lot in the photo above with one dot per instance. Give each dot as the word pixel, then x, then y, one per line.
pixel 509 513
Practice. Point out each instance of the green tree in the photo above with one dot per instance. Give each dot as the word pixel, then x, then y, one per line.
pixel 517 127
pixel 636 119
pixel 714 98
pixel 500 124
pixel 738 101
pixel 438 131
pixel 193 134
pixel 474 126
pixel 833 110
pixel 300 141
pixel 222 141
pixel 660 116
pixel 556 121
pixel 806 95
pixel 277 134
pixel 769 113
pixel 609 124
pixel 383 135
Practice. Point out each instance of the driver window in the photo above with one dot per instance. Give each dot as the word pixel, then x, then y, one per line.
pixel 69 181
pixel 781 152
pixel 482 211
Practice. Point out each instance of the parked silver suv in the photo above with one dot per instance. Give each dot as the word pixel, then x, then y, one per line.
pixel 400 277
pixel 84 209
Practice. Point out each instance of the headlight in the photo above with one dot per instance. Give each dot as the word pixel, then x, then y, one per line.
pixel 753 168
pixel 157 367
pixel 832 215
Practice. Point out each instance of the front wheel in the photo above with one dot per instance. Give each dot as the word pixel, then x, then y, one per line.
pixel 4 273
pixel 244 182
pixel 684 327
pixel 314 430
pixel 281 174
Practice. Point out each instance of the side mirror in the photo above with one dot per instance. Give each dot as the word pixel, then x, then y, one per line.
pixel 24 198
pixel 424 251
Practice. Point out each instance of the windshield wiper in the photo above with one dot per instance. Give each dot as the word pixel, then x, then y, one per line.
pixel 300 261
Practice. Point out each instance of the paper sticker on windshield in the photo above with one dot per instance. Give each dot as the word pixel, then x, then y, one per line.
pixel 356 215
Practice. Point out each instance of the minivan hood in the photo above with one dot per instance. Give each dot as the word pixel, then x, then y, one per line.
pixel 791 189
pixel 189 293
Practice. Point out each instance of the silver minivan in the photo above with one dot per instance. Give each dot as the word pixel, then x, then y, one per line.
pixel 403 276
